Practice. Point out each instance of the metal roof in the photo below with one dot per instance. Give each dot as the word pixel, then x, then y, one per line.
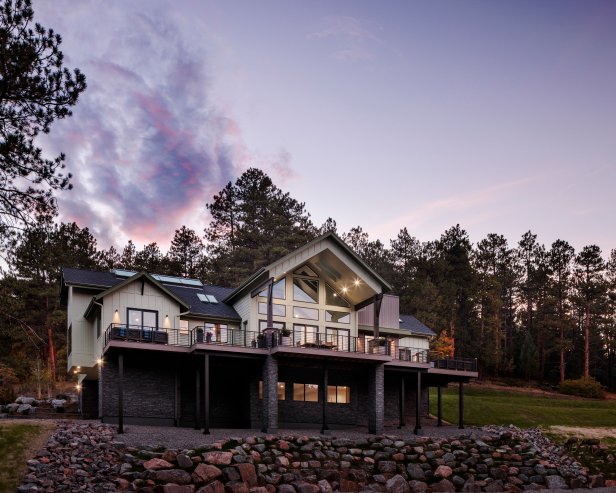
pixel 410 323
pixel 186 293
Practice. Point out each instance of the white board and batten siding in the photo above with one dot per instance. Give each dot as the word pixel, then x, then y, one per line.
pixel 389 315
pixel 82 331
pixel 416 342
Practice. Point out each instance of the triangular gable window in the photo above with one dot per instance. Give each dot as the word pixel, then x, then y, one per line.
pixel 333 298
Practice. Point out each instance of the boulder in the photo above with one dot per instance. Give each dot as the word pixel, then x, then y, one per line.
pixel 177 476
pixel 415 472
pixel 443 486
pixel 184 461
pixel 214 487
pixel 156 464
pixel 204 473
pixel 418 486
pixel 556 483
pixel 174 488
pixel 25 400
pixel 25 409
pixel 248 474
pixel 58 403
pixel 218 458
pixel 397 484
pixel 443 472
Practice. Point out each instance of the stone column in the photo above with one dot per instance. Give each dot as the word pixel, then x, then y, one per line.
pixel 269 402
pixel 376 398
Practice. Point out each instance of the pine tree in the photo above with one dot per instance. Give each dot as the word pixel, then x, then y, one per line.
pixel 35 90
pixel 253 224
pixel 591 285
pixel 185 253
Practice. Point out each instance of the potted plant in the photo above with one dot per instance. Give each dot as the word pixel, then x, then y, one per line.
pixel 199 334
pixel 285 339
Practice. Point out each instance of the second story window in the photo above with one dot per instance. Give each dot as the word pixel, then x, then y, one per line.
pixel 139 318
pixel 306 290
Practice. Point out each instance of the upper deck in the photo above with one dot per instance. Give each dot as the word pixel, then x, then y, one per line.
pixel 307 344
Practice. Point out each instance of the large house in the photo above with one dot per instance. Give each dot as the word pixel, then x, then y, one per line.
pixel 314 339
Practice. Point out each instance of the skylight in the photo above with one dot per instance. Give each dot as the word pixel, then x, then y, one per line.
pixel 207 298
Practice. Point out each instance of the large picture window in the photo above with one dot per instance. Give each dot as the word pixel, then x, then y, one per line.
pixel 142 319
pixel 307 313
pixel 307 392
pixel 277 310
pixel 337 317
pixel 338 394
pixel 306 334
pixel 306 290
pixel 333 298
pixel 278 290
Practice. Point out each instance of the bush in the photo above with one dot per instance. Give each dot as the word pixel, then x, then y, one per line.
pixel 8 381
pixel 583 387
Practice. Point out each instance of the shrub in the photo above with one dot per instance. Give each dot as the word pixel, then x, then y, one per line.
pixel 583 387
pixel 8 381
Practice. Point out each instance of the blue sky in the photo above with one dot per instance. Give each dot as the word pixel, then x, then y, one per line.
pixel 500 116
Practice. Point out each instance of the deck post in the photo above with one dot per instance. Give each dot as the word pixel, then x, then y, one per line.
pixel 120 393
pixel 176 397
pixel 269 402
pixel 402 403
pixel 324 426
pixel 439 421
pixel 206 393
pixel 197 398
pixel 461 406
pixel 376 397
pixel 418 405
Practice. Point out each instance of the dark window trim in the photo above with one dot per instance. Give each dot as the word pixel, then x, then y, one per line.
pixel 336 392
pixel 317 280
pixel 304 392
pixel 338 311
pixel 306 308
pixel 273 304
pixel 142 310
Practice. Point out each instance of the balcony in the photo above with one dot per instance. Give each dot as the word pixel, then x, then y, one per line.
pixel 329 343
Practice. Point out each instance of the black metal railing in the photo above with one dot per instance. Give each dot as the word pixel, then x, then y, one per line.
pixel 307 338
pixel 140 333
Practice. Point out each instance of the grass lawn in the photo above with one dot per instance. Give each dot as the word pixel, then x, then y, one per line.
pixel 483 406
pixel 18 443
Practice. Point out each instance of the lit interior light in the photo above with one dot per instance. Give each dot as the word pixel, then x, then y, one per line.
pixel 99 361
pixel 356 282
pixel 78 387
pixel 344 290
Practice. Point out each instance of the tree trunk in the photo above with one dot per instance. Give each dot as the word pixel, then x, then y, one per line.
pixel 52 354
pixel 562 354
pixel 586 344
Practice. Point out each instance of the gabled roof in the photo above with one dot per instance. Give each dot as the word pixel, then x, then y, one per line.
pixel 145 276
pixel 257 277
pixel 410 323
pixel 186 296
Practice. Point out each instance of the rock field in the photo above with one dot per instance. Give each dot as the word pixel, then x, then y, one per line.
pixel 87 456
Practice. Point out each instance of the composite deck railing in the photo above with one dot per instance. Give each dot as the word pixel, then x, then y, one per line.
pixel 306 339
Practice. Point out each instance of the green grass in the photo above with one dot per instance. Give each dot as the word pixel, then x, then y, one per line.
pixel 488 406
pixel 16 444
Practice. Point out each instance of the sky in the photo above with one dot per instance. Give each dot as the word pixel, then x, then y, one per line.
pixel 499 116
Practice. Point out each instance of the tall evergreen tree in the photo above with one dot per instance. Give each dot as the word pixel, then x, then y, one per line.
pixel 253 223
pixel 591 285
pixel 185 253
pixel 35 90
pixel 561 257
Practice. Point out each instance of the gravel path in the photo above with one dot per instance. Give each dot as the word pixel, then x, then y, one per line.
pixel 188 438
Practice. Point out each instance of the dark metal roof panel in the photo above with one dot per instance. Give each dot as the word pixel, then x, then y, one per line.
pixel 84 277
pixel 410 323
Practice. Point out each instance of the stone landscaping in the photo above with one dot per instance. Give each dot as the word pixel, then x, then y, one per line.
pixel 85 457
pixel 29 406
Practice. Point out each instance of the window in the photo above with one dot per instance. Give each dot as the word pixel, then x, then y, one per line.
pixel 277 310
pixel 333 298
pixel 69 339
pixel 306 334
pixel 207 298
pixel 339 337
pixel 143 319
pixel 306 290
pixel 338 394
pixel 307 313
pixel 280 387
pixel 278 290
pixel 337 317
pixel 307 392
pixel 216 332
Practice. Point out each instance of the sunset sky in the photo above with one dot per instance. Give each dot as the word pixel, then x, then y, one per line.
pixel 500 116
